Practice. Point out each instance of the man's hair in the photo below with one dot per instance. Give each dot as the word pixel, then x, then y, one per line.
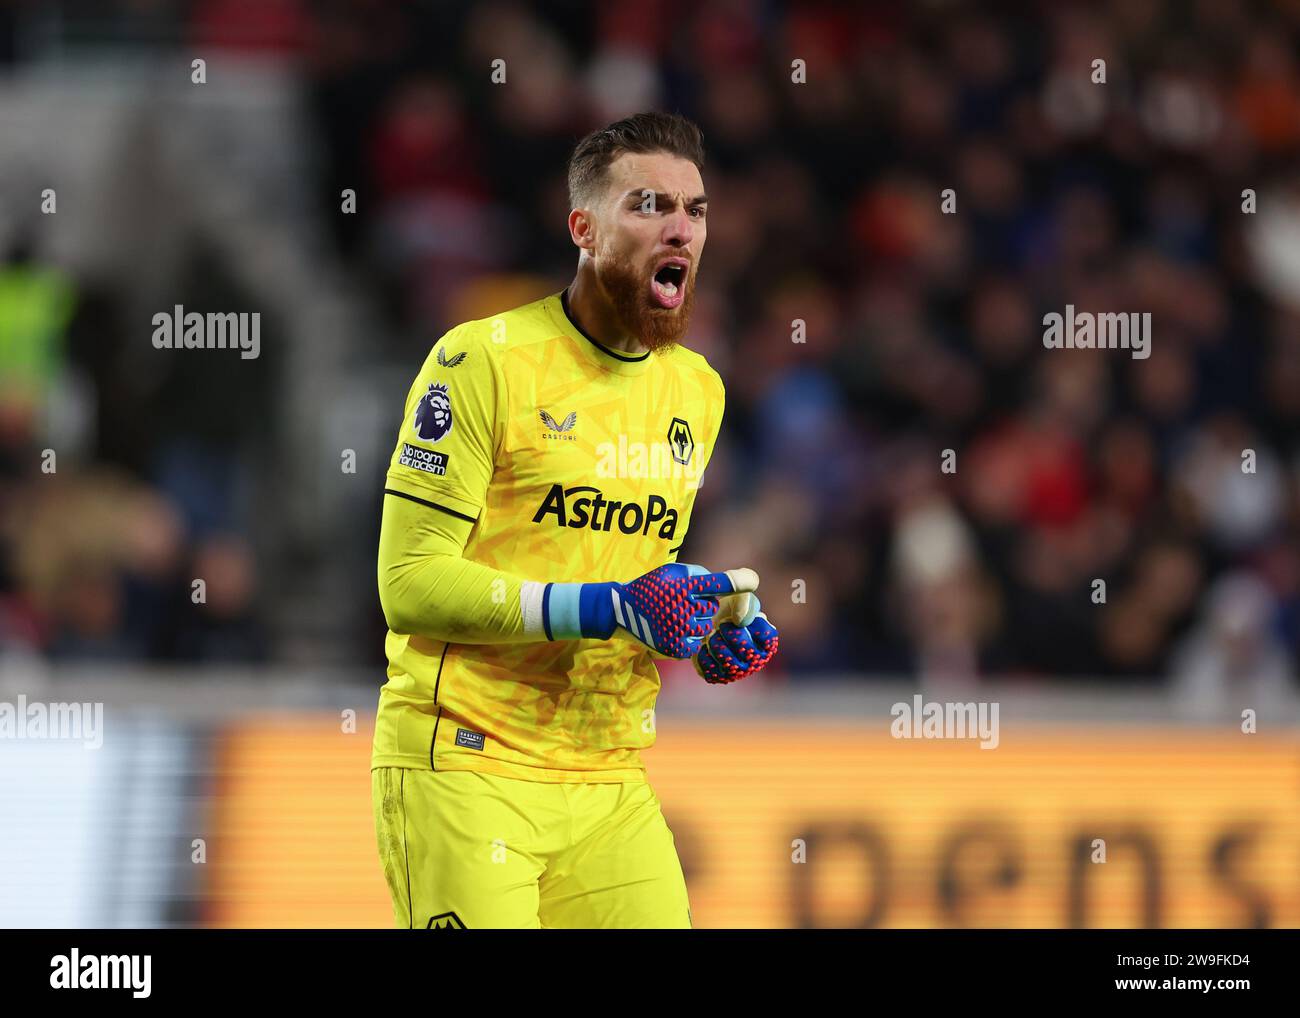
pixel 642 133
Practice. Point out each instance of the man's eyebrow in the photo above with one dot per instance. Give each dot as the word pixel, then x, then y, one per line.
pixel 663 199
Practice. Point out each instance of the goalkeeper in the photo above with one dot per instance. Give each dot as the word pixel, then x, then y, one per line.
pixel 527 571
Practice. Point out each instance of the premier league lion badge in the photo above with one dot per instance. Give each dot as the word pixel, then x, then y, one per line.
pixel 433 414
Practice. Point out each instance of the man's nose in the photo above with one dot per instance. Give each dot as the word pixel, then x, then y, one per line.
pixel 679 230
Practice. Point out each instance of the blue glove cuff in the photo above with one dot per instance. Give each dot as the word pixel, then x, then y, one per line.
pixel 578 611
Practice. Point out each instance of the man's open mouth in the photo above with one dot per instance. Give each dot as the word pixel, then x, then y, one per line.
pixel 668 285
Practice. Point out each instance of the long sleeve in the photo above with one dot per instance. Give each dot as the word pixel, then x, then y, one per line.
pixel 434 492
pixel 427 588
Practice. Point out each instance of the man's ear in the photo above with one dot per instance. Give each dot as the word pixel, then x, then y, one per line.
pixel 582 228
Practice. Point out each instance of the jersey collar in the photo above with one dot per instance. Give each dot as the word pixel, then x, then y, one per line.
pixel 610 360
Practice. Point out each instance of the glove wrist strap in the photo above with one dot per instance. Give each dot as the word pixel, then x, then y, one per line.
pixel 577 611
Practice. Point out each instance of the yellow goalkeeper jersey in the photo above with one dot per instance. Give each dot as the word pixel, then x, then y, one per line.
pixel 575 464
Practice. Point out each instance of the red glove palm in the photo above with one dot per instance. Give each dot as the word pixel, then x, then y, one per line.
pixel 737 649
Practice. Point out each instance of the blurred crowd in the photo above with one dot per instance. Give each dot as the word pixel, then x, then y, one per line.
pixel 126 530
pixel 923 487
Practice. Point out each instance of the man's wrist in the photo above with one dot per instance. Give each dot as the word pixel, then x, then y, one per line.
pixel 576 611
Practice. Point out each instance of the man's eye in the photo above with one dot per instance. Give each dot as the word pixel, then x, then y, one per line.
pixel 697 211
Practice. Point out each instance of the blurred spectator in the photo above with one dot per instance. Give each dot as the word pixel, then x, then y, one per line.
pixel 1233 660
pixel 36 306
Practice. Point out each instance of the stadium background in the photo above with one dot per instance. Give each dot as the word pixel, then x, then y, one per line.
pixel 232 788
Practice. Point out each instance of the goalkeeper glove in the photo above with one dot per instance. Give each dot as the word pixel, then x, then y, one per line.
pixel 669 609
pixel 742 642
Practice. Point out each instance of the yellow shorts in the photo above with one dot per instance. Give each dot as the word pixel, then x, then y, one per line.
pixel 461 849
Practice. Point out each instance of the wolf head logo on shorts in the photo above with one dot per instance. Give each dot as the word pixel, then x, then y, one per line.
pixel 433 414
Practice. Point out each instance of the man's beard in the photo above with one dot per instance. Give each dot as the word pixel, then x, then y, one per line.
pixel 628 289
